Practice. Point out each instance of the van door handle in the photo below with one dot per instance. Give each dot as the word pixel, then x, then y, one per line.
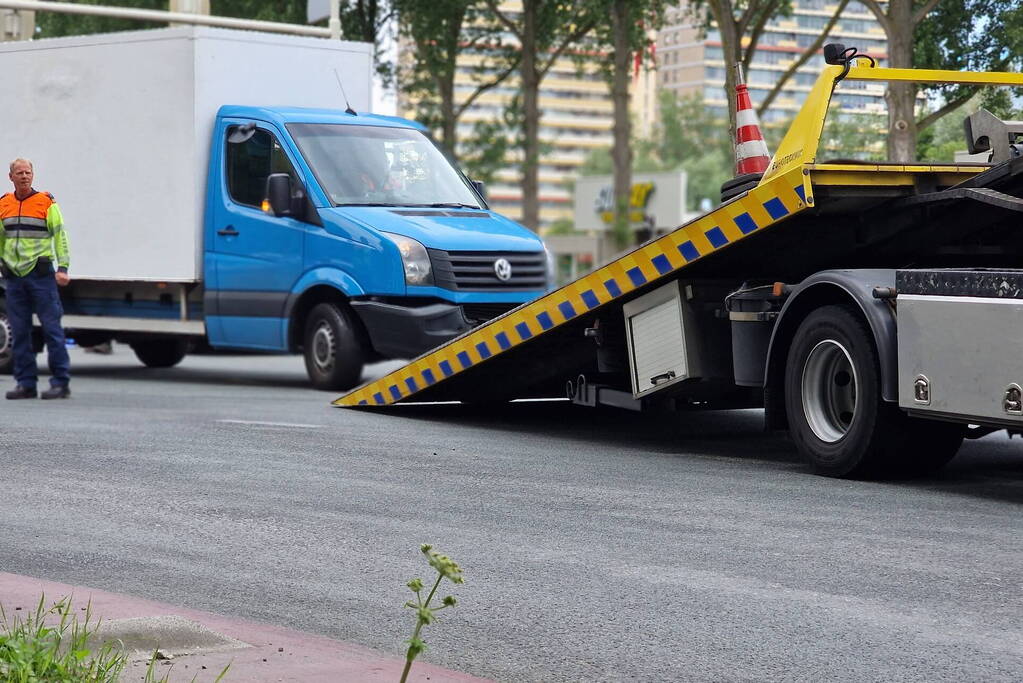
pixel 228 231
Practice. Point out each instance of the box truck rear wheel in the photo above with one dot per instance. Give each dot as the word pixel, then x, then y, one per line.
pixel 6 349
pixel 836 415
pixel 160 353
pixel 334 355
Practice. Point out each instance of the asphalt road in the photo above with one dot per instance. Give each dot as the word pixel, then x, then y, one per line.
pixel 597 546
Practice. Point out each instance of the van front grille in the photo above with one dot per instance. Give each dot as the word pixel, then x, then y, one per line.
pixel 476 271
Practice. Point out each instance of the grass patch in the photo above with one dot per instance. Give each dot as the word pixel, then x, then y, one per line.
pixel 49 644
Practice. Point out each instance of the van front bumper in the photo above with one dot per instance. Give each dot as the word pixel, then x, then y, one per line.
pixel 406 332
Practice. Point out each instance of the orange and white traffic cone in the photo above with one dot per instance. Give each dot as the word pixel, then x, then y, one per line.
pixel 751 155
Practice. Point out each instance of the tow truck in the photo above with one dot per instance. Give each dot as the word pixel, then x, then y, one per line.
pixel 872 309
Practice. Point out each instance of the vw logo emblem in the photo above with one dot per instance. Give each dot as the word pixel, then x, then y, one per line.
pixel 502 269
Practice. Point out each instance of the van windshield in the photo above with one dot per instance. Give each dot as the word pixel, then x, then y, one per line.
pixel 380 166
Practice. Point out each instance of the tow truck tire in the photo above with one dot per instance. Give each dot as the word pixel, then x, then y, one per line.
pixel 6 344
pixel 334 354
pixel 160 353
pixel 836 415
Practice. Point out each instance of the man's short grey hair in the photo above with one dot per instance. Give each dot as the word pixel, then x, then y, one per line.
pixel 20 160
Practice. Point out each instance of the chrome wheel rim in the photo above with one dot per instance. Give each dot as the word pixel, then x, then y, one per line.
pixel 829 391
pixel 324 347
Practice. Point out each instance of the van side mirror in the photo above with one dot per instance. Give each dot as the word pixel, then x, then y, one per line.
pixel 480 187
pixel 286 198
pixel 278 194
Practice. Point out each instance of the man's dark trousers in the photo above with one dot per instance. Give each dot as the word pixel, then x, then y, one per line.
pixel 37 292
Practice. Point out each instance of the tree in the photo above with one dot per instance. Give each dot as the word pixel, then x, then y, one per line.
pixel 738 19
pixel 440 31
pixel 544 30
pixel 977 35
pixel 625 34
pixel 803 58
pixel 688 137
pixel 950 38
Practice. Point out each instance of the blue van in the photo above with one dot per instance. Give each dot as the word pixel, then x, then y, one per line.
pixel 348 238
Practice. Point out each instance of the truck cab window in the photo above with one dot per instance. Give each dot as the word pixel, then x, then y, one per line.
pixel 250 162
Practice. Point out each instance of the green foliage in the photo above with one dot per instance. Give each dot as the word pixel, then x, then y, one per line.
pixel 597 162
pixel 941 141
pixel 753 11
pixel 561 226
pixel 688 130
pixel 49 644
pixel 690 138
pixel 644 15
pixel 483 152
pixel 53 25
pixel 687 138
pixel 446 568
pixel 853 136
pixel 284 11
pixel 441 31
pixel 968 35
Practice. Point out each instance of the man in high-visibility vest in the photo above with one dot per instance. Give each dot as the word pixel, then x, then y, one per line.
pixel 34 257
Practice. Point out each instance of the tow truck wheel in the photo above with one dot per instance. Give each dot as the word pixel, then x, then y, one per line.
pixel 836 415
pixel 6 348
pixel 334 355
pixel 833 395
pixel 160 353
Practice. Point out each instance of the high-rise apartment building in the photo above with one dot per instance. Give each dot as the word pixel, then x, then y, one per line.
pixel 690 60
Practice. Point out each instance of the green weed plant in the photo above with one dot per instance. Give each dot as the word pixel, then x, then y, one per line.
pixel 446 569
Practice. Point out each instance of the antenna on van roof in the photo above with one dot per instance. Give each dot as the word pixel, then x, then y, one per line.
pixel 348 107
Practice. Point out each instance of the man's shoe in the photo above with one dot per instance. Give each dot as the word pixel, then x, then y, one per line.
pixel 55 392
pixel 21 392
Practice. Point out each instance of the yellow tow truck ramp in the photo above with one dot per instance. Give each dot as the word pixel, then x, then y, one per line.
pixel 802 217
pixel 499 344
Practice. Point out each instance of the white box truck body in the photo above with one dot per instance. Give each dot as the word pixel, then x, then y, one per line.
pixel 119 127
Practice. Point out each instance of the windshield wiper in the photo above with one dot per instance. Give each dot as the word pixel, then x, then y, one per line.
pixel 451 205
pixel 368 204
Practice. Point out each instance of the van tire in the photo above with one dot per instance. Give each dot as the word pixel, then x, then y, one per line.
pixel 6 344
pixel 160 353
pixel 837 418
pixel 334 353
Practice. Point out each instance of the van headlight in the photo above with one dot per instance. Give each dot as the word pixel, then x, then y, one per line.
pixel 415 260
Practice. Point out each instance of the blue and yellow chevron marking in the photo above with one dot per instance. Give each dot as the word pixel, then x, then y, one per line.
pixel 760 208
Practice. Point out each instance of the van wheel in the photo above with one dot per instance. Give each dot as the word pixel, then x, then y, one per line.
pixel 334 354
pixel 836 415
pixel 160 353
pixel 6 344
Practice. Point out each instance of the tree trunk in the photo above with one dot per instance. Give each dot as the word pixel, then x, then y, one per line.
pixel 531 119
pixel 731 49
pixel 446 87
pixel 901 97
pixel 449 139
pixel 621 152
